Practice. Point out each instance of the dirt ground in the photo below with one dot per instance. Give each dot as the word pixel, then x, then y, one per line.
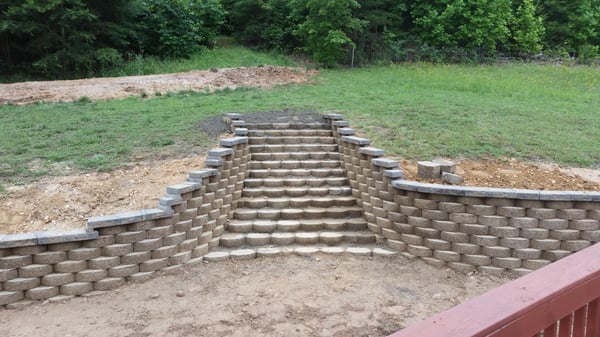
pixel 320 295
pixel 119 87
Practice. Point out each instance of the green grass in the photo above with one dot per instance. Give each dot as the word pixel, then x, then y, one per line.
pixel 218 57
pixel 416 111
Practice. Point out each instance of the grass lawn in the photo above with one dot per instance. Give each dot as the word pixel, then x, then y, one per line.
pixel 416 111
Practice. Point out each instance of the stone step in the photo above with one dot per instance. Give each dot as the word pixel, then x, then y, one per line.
pixel 301 202
pixel 307 225
pixel 274 140
pixel 314 157
pixel 297 213
pixel 282 173
pixel 286 126
pixel 290 133
pixel 330 238
pixel 295 182
pixel 247 253
pixel 293 148
pixel 279 192
pixel 292 164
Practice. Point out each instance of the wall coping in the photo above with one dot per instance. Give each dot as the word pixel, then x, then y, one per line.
pixel 485 192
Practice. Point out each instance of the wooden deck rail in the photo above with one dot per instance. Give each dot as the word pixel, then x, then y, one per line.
pixel 559 300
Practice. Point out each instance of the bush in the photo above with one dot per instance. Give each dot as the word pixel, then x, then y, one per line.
pixel 587 54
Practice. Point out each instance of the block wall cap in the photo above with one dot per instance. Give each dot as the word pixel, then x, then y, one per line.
pixel 45 238
pixel 233 115
pixel 335 117
pixel 182 188
pixel 394 174
pixel 127 218
pixel 386 163
pixel 220 152
pixel 205 173
pixel 371 151
pixel 485 192
pixel 346 131
pixel 231 142
pixel 356 140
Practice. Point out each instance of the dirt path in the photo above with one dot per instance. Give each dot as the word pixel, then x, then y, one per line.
pixel 119 87
pixel 288 296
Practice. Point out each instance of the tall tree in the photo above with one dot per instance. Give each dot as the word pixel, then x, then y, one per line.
pixel 327 27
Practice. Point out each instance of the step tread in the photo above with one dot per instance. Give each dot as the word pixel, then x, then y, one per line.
pixel 300 172
pixel 278 192
pixel 306 225
pixel 247 252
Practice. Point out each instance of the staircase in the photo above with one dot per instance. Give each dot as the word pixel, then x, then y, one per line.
pixel 296 198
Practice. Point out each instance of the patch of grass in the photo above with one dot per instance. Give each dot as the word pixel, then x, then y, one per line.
pixel 218 57
pixel 416 111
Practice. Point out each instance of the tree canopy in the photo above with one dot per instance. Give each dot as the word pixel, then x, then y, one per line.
pixel 69 38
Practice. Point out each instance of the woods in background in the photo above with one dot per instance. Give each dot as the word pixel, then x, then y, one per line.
pixel 78 38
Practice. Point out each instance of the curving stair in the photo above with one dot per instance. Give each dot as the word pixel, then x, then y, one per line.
pixel 296 198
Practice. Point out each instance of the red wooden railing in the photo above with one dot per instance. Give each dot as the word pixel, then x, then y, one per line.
pixel 559 300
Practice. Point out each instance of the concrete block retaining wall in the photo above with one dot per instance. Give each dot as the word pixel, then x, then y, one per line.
pixel 465 228
pixel 131 246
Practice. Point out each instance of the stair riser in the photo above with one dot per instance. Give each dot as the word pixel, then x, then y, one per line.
pixel 281 173
pixel 289 133
pixel 295 192
pixel 286 126
pixel 292 165
pixel 295 182
pixel 294 148
pixel 295 214
pixel 295 203
pixel 298 238
pixel 295 156
pixel 290 140
pixel 271 227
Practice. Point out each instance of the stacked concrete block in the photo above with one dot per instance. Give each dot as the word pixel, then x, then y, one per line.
pixel 467 228
pixel 131 246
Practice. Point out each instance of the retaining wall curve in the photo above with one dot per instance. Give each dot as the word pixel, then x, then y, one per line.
pixel 466 228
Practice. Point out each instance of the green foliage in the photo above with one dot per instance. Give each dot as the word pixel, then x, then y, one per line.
pixel 266 24
pixel 326 28
pixel 179 28
pixel 587 54
pixel 466 24
pixel 526 28
pixel 571 23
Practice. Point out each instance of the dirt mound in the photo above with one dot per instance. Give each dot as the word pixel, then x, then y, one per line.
pixel 119 87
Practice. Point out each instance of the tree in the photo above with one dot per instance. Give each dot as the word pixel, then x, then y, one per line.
pixel 570 23
pixel 179 28
pixel 469 24
pixel 526 28
pixel 326 28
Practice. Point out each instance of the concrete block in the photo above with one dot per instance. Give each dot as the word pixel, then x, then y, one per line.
pixel 445 165
pixel 428 170
pixel 450 178
pixel 76 288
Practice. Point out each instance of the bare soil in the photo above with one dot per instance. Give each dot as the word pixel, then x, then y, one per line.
pixel 150 85
pixel 287 296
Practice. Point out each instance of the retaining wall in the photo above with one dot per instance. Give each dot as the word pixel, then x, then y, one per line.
pixel 465 228
pixel 131 246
